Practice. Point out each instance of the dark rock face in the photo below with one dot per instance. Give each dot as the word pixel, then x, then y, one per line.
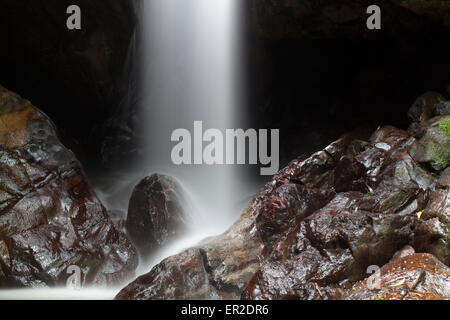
pixel 334 246
pixel 315 229
pixel 157 213
pixel 432 233
pixel 47 63
pixel 50 217
pixel 442 108
pixel 424 107
pixel 297 19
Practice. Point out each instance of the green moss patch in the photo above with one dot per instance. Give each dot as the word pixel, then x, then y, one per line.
pixel 445 126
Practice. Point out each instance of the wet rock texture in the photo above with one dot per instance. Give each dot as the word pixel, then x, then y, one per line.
pixel 219 269
pixel 50 218
pixel 412 277
pixel 157 213
pixel 323 223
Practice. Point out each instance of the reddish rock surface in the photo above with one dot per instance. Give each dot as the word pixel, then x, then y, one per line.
pixel 412 277
pixel 158 212
pixel 219 269
pixel 50 218
pixel 315 230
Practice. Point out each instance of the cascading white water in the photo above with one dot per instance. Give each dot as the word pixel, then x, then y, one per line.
pixel 190 71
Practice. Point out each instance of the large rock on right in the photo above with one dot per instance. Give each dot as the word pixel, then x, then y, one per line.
pixel 158 213
pixel 315 229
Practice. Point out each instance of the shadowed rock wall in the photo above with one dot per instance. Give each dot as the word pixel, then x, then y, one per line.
pixel 74 76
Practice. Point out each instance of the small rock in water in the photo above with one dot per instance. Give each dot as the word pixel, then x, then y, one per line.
pixel 158 212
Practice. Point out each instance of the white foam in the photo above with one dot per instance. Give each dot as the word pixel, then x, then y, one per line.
pixel 58 294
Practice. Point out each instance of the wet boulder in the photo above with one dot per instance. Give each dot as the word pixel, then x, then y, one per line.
pixel 416 276
pixel 292 279
pixel 433 147
pixel 219 268
pixel 182 277
pixel 442 108
pixel 158 212
pixel 432 230
pixel 50 218
pixel 287 205
pixel 424 106
pixel 335 244
pixel 319 256
pixel 349 176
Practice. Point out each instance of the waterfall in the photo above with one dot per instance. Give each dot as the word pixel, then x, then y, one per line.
pixel 190 71
pixel 186 66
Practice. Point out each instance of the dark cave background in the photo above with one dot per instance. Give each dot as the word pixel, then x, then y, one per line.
pixel 314 70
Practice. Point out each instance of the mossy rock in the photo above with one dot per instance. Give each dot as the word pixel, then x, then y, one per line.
pixel 445 126
pixel 434 147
